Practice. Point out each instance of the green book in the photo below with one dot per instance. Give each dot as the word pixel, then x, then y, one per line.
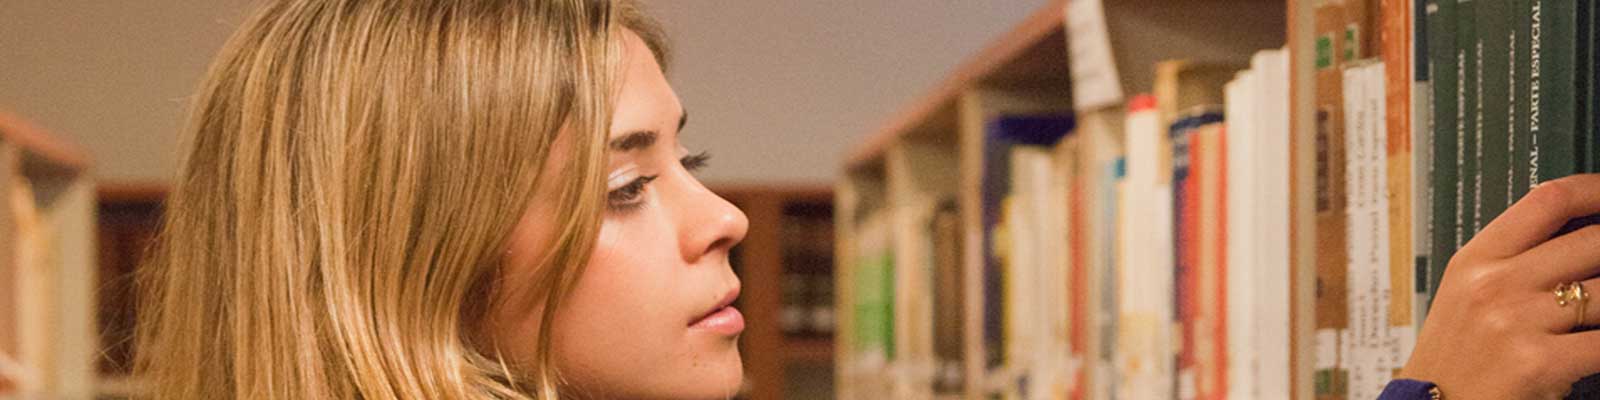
pixel 874 305
pixel 1553 98
pixel 1522 74
pixel 1469 51
pixel 1444 73
pixel 1583 141
pixel 1494 135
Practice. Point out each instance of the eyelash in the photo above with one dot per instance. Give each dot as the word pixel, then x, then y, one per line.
pixel 626 198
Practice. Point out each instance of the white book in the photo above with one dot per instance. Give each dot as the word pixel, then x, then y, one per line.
pixel 1241 118
pixel 1269 236
pixel 1146 328
pixel 1366 233
pixel 1038 239
pixel 1103 147
pixel 1421 189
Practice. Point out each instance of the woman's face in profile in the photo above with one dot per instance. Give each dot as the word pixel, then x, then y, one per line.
pixel 650 316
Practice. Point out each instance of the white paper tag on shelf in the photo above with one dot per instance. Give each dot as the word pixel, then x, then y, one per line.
pixel 1095 82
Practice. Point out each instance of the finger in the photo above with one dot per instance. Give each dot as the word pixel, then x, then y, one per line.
pixel 1560 319
pixel 1580 351
pixel 1537 216
pixel 1569 258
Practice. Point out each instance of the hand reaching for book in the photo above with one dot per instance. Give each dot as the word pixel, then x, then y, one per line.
pixel 1496 329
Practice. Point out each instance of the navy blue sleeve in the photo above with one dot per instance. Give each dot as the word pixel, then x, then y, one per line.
pixel 1407 389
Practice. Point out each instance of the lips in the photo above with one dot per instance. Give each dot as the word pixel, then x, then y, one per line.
pixel 722 319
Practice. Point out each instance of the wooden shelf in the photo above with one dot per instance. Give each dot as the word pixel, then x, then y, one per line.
pixel 931 154
pixel 46 261
pixel 43 154
pixel 812 350
pixel 1031 56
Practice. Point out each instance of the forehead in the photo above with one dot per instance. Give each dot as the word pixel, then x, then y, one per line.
pixel 645 99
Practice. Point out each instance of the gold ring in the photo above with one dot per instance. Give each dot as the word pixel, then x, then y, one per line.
pixel 1573 293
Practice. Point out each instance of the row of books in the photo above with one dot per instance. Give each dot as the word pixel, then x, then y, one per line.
pixel 1512 90
pixel 1132 252
pixel 1149 250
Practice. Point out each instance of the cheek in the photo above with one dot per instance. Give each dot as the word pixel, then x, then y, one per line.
pixel 627 280
pixel 622 317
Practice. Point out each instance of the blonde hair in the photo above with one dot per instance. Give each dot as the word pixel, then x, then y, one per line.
pixel 355 170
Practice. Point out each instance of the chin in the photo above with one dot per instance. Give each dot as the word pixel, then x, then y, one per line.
pixel 723 375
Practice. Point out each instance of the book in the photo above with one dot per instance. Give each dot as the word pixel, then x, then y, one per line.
pixel 949 297
pixel 873 305
pixel 1195 275
pixel 1103 167
pixel 1444 181
pixel 1184 222
pixel 1024 244
pixel 1076 181
pixel 1375 346
pixel 1144 327
pixel 1339 31
pixel 1239 276
pixel 1395 43
pixel 1211 351
pixel 1496 107
pixel 1469 140
pixel 1271 240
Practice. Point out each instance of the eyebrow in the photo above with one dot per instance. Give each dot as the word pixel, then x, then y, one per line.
pixel 642 139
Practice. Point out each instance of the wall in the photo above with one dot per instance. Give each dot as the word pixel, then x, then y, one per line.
pixel 778 90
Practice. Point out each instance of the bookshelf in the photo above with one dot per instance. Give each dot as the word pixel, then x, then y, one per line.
pixel 785 265
pixel 129 214
pixel 895 188
pixel 47 326
pixel 790 234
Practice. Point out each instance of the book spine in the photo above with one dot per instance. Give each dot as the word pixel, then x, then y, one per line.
pixel 1592 150
pixel 1184 222
pixel 1373 346
pixel 1589 136
pixel 948 297
pixel 874 302
pixel 1237 284
pixel 1333 47
pixel 1584 51
pixel 1422 200
pixel 1214 217
pixel 1552 100
pixel 1521 86
pixel 1496 106
pixel 1469 52
pixel 1396 42
pixel 1078 242
pixel 996 188
pixel 1145 328
pixel 1422 160
pixel 1444 76
pixel 1112 173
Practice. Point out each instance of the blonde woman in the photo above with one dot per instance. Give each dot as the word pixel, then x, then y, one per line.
pixel 445 199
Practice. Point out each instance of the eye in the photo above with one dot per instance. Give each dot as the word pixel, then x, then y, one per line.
pixel 630 196
pixel 695 162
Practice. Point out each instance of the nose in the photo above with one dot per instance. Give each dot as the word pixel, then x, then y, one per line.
pixel 707 223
